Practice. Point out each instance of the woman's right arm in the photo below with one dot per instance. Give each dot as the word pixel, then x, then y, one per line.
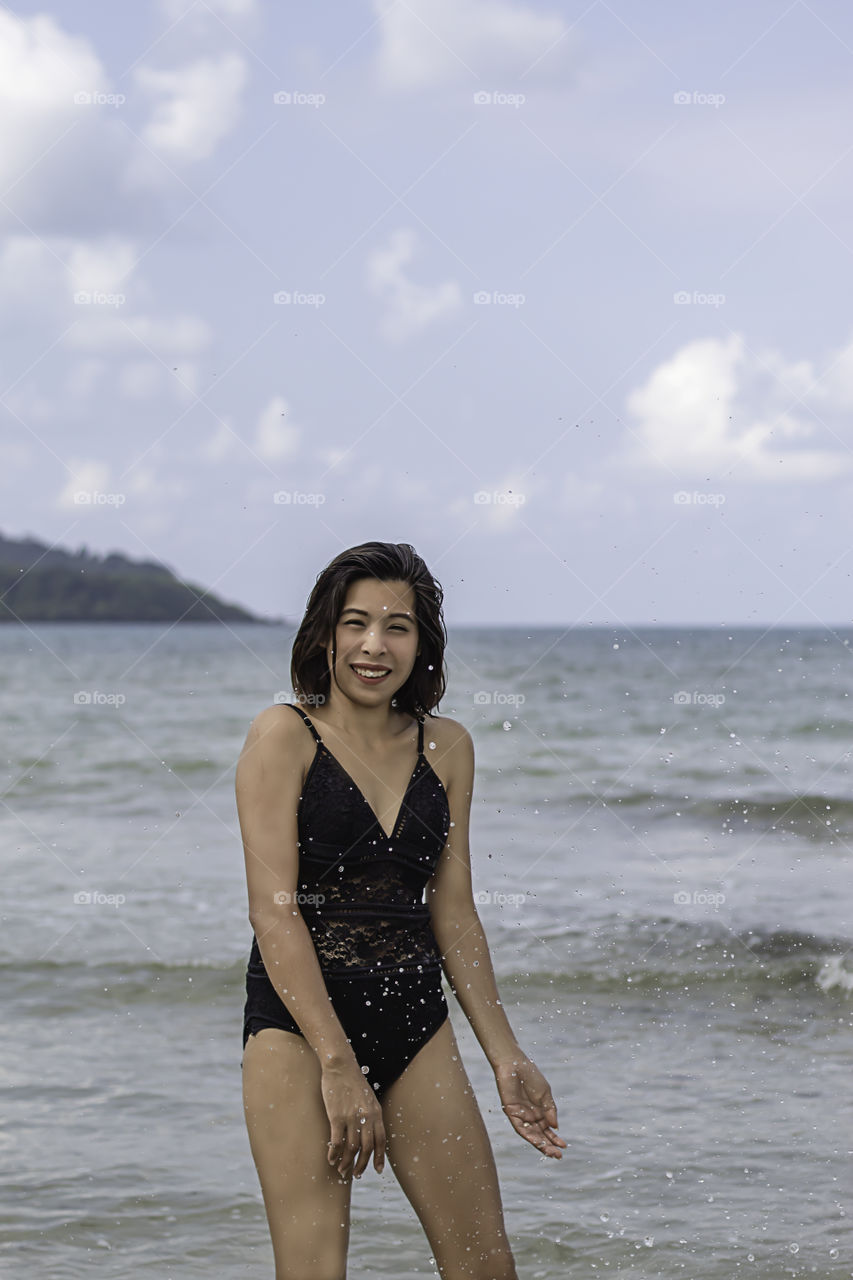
pixel 268 784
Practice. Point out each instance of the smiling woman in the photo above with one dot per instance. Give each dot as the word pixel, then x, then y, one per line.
pixel 360 897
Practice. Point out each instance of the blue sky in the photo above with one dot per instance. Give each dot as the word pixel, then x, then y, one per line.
pixel 558 293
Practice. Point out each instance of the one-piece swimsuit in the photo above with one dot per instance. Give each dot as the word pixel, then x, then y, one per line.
pixel 361 893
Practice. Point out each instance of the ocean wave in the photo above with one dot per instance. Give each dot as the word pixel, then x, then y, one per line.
pixel 651 956
pixel 674 956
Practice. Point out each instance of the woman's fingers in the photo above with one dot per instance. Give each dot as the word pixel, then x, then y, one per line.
pixel 538 1136
pixel 528 1120
pixel 354 1142
pixel 379 1146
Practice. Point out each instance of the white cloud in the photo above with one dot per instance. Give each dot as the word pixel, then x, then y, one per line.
pixel 274 438
pixel 107 329
pixel 717 407
pixel 41 69
pixel 104 266
pixel 411 307
pixel 428 42
pixel 199 105
pixel 63 162
pixel 88 475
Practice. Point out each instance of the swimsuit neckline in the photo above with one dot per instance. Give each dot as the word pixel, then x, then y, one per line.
pixel 363 797
pixel 320 743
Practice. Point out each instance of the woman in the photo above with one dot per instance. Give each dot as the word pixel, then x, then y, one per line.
pixel 347 816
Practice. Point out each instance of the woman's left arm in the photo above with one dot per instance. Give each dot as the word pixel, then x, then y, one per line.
pixel 524 1092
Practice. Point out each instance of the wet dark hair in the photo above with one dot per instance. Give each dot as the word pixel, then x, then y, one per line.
pixel 386 562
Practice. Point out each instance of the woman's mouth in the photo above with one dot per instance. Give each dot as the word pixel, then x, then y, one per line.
pixel 369 676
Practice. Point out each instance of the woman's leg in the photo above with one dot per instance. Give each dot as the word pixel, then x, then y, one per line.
pixel 439 1149
pixel 307 1201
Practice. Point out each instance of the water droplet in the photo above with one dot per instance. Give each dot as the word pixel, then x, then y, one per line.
pixel 648 1241
pixel 793 1248
pixel 507 725
pixel 365 1070
pixel 833 1253
pixel 431 746
pixel 604 1217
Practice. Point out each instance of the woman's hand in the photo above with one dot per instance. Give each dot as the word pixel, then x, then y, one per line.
pixel 355 1118
pixel 527 1101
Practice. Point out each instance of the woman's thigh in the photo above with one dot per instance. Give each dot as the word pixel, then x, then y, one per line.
pixel 306 1200
pixel 439 1149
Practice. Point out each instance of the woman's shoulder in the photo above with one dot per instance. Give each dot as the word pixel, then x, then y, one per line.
pixel 279 727
pixel 446 732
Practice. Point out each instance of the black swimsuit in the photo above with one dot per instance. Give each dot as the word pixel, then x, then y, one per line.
pixel 360 892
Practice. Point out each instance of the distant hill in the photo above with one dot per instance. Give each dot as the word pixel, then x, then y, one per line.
pixel 47 584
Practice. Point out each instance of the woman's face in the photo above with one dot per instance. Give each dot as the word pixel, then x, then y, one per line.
pixel 376 629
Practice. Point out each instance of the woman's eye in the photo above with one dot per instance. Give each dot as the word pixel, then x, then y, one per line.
pixel 354 622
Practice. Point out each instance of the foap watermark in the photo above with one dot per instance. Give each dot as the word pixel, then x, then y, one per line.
pixel 296 98
pixel 498 898
pixel 95 698
pixel 97 298
pixel 293 298
pixel 499 497
pixel 94 898
pixel 497 698
pixel 699 897
pixel 97 98
pixel 497 98
pixel 284 897
pixel 482 298
pixel 693 498
pixel 697 299
pixel 297 498
pixel 693 98
pixel 94 498
pixel 684 698
pixel 309 699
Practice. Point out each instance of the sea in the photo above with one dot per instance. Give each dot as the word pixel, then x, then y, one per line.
pixel 661 834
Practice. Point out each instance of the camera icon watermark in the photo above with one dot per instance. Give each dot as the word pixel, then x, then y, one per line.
pixel 482 298
pixel 683 698
pixel 694 498
pixel 683 98
pixel 699 897
pixel 293 298
pixel 97 298
pixel 94 898
pixel 499 497
pixel 497 697
pixel 96 98
pixel 496 98
pixel 297 498
pixel 94 498
pixel 682 298
pixel 499 899
pixel 294 98
pixel 308 699
pixel 94 698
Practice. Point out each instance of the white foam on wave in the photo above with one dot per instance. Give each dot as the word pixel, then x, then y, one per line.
pixel 833 974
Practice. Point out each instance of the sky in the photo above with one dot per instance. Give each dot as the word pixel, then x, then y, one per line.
pixel 558 293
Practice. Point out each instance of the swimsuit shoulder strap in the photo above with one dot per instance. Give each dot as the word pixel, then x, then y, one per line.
pixel 420 735
pixel 310 724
